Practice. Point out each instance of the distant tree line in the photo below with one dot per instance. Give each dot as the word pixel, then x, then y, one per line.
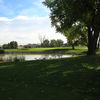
pixel 52 43
pixel 11 45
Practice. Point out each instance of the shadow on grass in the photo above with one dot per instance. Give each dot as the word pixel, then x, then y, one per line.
pixel 63 51
pixel 56 50
pixel 75 78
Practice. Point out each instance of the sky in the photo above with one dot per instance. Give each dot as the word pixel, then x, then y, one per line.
pixel 25 21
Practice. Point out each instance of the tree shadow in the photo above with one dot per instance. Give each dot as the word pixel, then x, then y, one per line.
pixel 56 50
pixel 65 51
pixel 67 79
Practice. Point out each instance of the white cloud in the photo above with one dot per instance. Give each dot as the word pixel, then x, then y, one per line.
pixel 26 30
pixel 39 4
pixel 4 19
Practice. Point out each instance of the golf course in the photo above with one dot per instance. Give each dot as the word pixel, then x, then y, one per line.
pixel 74 78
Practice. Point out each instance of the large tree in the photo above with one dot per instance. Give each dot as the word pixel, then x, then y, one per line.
pixel 65 13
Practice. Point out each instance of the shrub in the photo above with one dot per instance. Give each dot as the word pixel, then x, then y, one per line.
pixel 2 51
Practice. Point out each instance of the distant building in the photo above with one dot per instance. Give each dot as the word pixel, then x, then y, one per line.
pixel 31 46
pixel 34 46
pixel 20 47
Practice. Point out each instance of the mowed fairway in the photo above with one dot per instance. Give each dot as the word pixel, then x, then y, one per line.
pixel 48 50
pixel 76 78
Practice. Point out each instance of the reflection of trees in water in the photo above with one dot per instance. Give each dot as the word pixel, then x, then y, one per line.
pixel 1 58
pixel 13 58
pixel 44 56
pixel 59 56
pixel 51 56
pixel 16 58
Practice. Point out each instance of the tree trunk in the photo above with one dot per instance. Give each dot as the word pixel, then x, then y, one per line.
pixel 92 40
pixel 73 47
pixel 98 43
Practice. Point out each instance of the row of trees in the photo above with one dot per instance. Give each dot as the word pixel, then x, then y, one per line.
pixel 11 45
pixel 52 43
pixel 66 14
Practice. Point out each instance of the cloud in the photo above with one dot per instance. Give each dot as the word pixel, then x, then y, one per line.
pixel 39 4
pixel 28 8
pixel 26 30
pixel 4 19
pixel 36 9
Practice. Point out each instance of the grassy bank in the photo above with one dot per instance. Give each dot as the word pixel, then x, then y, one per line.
pixel 48 50
pixel 75 78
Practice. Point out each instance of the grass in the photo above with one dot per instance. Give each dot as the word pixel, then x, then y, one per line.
pixel 62 50
pixel 49 50
pixel 76 78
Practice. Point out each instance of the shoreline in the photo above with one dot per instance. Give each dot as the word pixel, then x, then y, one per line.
pixel 71 53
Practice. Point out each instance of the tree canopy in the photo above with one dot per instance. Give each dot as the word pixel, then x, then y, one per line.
pixel 76 35
pixel 11 45
pixel 65 13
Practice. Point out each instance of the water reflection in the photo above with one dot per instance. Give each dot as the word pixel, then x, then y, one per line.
pixel 22 57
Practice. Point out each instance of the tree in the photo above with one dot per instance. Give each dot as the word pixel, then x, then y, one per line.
pixel 59 42
pixel 76 35
pixel 45 43
pixel 53 43
pixel 56 43
pixel 98 42
pixel 5 46
pixel 13 45
pixel 42 38
pixel 72 38
pixel 65 13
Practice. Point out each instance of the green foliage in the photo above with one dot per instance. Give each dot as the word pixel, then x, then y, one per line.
pixel 76 35
pixel 56 43
pixel 5 46
pixel 11 45
pixel 65 13
pixel 59 43
pixel 53 43
pixel 2 51
pixel 45 43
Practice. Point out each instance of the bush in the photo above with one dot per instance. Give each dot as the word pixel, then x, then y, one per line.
pixel 2 51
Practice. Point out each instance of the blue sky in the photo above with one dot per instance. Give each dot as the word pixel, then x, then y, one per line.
pixel 30 8
pixel 25 21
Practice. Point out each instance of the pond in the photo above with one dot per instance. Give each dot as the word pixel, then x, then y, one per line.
pixel 27 57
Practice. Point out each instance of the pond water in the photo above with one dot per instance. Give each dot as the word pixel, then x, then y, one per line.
pixel 27 57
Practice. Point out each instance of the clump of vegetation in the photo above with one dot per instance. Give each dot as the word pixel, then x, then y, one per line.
pixel 52 43
pixel 2 51
pixel 11 45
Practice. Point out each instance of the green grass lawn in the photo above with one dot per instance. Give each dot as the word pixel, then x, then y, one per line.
pixel 49 50
pixel 78 50
pixel 76 78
